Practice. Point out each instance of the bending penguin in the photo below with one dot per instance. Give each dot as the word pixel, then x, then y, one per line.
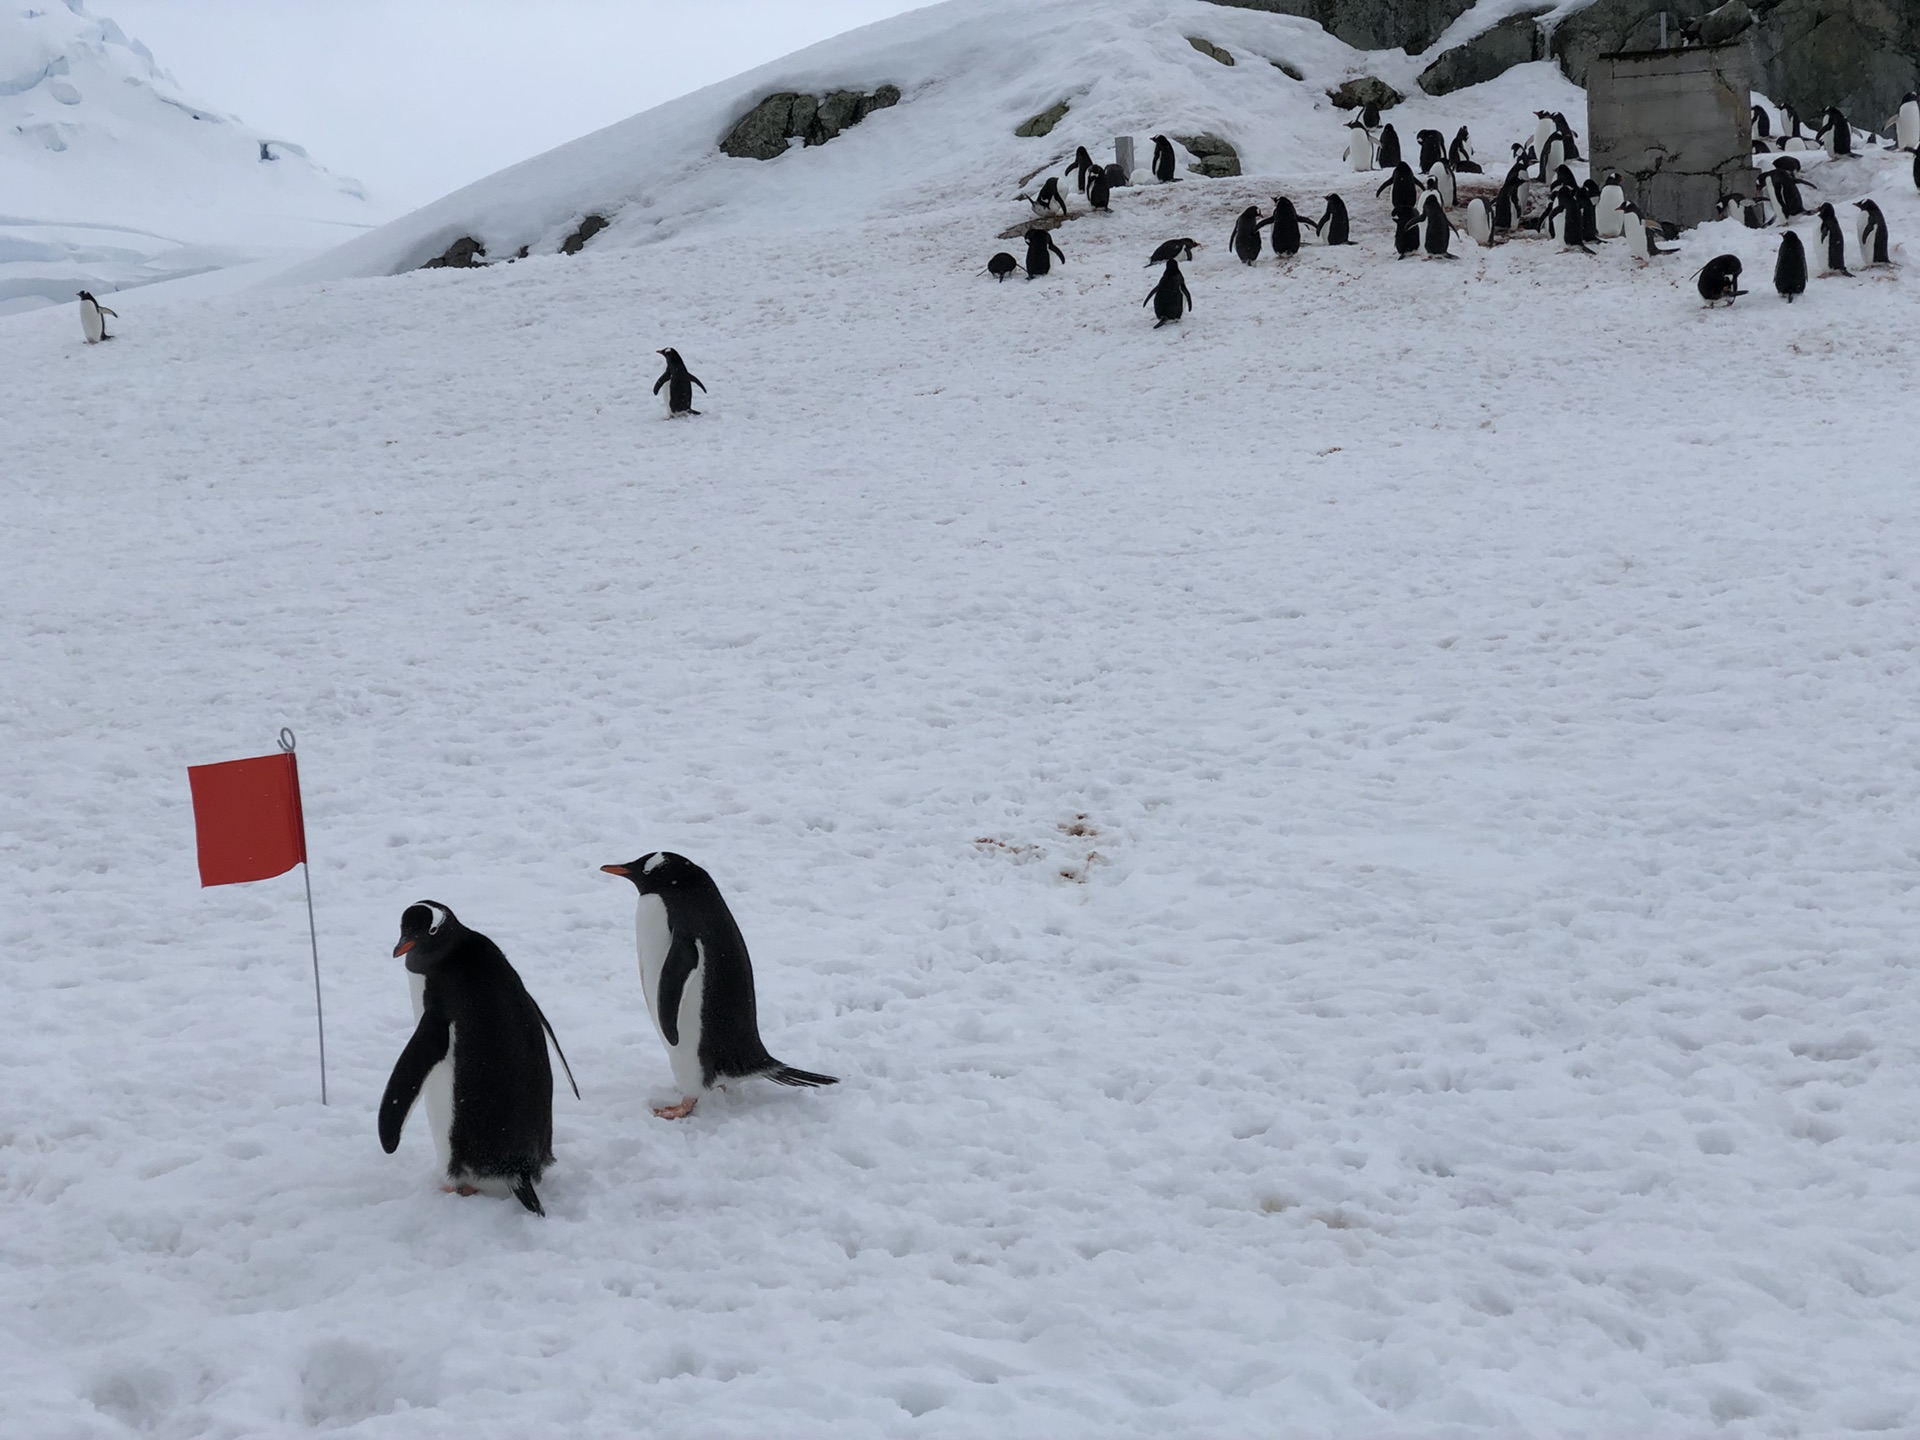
pixel 699 982
pixel 1720 280
pixel 1000 266
pixel 91 323
pixel 679 382
pixel 1168 293
pixel 479 1049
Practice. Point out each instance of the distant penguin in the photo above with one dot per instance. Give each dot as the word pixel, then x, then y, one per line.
pixel 1607 218
pixel 1167 295
pixel 1386 154
pixel 1760 126
pixel 91 323
pixel 679 382
pixel 1871 227
pixel 1834 132
pixel 1790 268
pixel 698 981
pixel 1246 235
pixel 1286 227
pixel 1404 185
pixel 479 1047
pixel 1460 154
pixel 1639 235
pixel 1359 153
pixel 1906 124
pixel 1440 180
pixel 1480 221
pixel 1168 249
pixel 1439 229
pixel 1098 191
pixel 1433 149
pixel 1834 239
pixel 1039 246
pixel 1406 232
pixel 1001 266
pixel 1082 167
pixel 1719 280
pixel 1163 161
pixel 1332 227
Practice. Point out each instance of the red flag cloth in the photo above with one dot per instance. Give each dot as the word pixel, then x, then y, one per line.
pixel 247 816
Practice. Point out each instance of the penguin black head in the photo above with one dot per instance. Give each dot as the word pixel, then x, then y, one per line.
pixel 428 932
pixel 661 873
pixel 87 295
pixel 673 356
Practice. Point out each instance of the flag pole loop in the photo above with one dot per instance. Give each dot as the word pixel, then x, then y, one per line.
pixel 286 740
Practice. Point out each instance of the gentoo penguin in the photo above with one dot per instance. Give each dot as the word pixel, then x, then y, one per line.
pixel 1039 244
pixel 1543 128
pixel 1386 154
pixel 1871 227
pixel 1719 280
pixel 1246 235
pixel 1001 266
pixel 1433 149
pixel 1480 221
pixel 479 1048
pixel 1567 135
pixel 1785 181
pixel 1286 227
pixel 1404 185
pixel 1509 205
pixel 1761 127
pixel 1564 221
pixel 1332 227
pixel 1098 191
pixel 1790 269
pixel 1916 169
pixel 91 323
pixel 1835 241
pixel 1440 180
pixel 698 981
pixel 1168 293
pixel 1520 183
pixel 1048 200
pixel 1163 159
pixel 1081 168
pixel 679 382
pixel 1370 116
pixel 1168 249
pixel 1834 132
pixel 1906 123
pixel 1359 153
pixel 1406 232
pixel 1439 229
pixel 1640 242
pixel 1460 154
pixel 1608 222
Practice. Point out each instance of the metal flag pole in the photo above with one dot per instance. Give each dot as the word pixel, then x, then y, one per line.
pixel 287 743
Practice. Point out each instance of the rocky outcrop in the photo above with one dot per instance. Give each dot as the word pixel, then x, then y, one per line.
pixel 763 132
pixel 1514 41
pixel 1210 50
pixel 1212 156
pixel 463 254
pixel 1411 25
pixel 1365 90
pixel 589 227
pixel 1043 123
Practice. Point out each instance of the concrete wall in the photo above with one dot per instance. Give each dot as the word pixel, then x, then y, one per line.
pixel 1674 123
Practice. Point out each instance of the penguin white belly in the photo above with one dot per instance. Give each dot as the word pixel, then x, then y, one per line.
pixel 1907 128
pixel 653 938
pixel 688 1072
pixel 437 1090
pixel 92 323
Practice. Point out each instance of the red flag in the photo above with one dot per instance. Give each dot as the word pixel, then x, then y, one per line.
pixel 247 816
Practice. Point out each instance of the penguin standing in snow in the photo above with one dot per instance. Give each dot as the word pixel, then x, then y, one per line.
pixel 1433 149
pixel 1404 185
pixel 1386 154
pixel 1785 180
pixel 1167 295
pixel 1790 269
pixel 1246 235
pixel 679 382
pixel 1719 280
pixel 1834 132
pixel 1608 222
pixel 699 981
pixel 1039 245
pixel 1640 241
pixel 1439 229
pixel 1098 191
pixel 1835 240
pixel 1049 200
pixel 1359 154
pixel 1406 232
pixel 1906 123
pixel 1001 266
pixel 1871 226
pixel 1440 180
pixel 1480 222
pixel 1286 227
pixel 1332 227
pixel 1163 159
pixel 1082 167
pixel 479 1048
pixel 91 323
pixel 1760 126
pixel 1460 154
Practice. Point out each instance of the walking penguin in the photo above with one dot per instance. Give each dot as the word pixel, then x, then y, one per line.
pixel 1871 227
pixel 698 982
pixel 679 382
pixel 1246 235
pixel 479 1049
pixel 1163 159
pixel 91 323
pixel 1835 240
pixel 1168 294
pixel 1039 243
pixel 1790 269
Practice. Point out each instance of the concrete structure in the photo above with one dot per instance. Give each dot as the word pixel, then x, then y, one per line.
pixel 1675 124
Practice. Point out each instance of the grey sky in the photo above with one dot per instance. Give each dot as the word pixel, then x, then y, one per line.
pixel 418 97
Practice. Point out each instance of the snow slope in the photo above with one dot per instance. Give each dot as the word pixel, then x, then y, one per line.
pixel 112 178
pixel 1356 856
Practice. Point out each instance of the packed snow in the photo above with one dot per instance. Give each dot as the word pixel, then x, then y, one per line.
pixel 1355 856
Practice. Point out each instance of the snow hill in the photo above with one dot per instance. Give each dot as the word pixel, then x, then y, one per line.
pixel 1355 855
pixel 113 178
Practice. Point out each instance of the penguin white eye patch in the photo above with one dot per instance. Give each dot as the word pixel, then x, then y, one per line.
pixel 654 862
pixel 439 916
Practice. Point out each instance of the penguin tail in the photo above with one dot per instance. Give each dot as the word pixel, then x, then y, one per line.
pixel 523 1191
pixel 805 1079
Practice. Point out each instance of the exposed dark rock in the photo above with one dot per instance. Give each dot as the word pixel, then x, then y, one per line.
pixel 589 227
pixel 1412 25
pixel 763 132
pixel 1717 27
pixel 463 254
pixel 1043 123
pixel 1292 72
pixel 1365 90
pixel 1213 156
pixel 1514 41
pixel 1210 50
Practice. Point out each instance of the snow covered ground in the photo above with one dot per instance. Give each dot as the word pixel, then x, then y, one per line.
pixel 1355 856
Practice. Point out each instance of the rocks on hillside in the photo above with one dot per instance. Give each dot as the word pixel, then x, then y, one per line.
pixel 463 254
pixel 1411 25
pixel 1210 50
pixel 1364 90
pixel 1043 123
pixel 763 132
pixel 1514 41
pixel 1213 157
pixel 589 227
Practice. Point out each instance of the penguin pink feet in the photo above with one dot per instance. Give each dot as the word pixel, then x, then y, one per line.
pixel 677 1112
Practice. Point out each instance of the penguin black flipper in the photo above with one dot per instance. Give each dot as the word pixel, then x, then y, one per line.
pixel 682 960
pixel 523 1192
pixel 787 1075
pixel 431 1040
pixel 703 389
pixel 665 376
pixel 547 1025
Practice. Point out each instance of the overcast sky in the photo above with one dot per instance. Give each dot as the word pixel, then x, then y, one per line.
pixel 418 97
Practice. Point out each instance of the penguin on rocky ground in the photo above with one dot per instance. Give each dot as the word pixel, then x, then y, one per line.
pixel 698 982
pixel 479 1049
pixel 1168 293
pixel 1480 221
pixel 1790 267
pixel 1607 220
pixel 1168 249
pixel 1332 227
pixel 1406 232
pixel 1098 191
pixel 1245 239
pixel 1871 226
pixel 1639 235
pixel 1001 266
pixel 1286 227
pixel 1439 229
pixel 1719 279
pixel 1163 161
pixel 1039 246
pixel 1048 200
pixel 1359 152
pixel 679 382
pixel 1834 132
pixel 1386 154
pixel 1460 154
pixel 1834 239
pixel 1081 168
pixel 91 324
pixel 1404 185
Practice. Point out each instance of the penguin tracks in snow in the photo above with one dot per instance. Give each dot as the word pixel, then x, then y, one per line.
pixel 1077 866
